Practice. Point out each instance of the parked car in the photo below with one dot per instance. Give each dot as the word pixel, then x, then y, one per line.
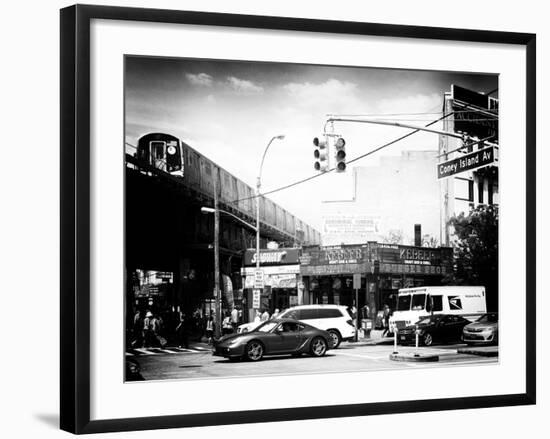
pixel 483 331
pixel 435 328
pixel 274 337
pixel 133 370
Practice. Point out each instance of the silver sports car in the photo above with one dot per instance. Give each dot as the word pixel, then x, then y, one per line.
pixel 274 337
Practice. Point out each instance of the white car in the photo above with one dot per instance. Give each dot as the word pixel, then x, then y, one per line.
pixel 335 319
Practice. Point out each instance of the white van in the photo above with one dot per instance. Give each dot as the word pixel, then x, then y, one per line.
pixel 415 303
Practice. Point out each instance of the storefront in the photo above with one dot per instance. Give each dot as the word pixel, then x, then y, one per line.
pixel 383 269
pixel 281 285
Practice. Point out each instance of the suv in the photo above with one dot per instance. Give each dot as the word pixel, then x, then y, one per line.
pixel 335 319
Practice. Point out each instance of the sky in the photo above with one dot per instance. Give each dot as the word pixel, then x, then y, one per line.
pixel 229 111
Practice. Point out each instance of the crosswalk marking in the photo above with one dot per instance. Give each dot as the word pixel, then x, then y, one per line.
pixel 172 350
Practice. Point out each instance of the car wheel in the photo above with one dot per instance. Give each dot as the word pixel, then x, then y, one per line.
pixel 336 339
pixel 318 347
pixel 254 351
pixel 427 339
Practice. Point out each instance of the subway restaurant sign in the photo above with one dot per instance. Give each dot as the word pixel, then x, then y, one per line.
pixel 474 160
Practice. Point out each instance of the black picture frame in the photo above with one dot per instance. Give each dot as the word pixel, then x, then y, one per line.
pixel 76 211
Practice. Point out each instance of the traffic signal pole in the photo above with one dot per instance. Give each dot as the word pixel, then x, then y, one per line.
pixel 335 118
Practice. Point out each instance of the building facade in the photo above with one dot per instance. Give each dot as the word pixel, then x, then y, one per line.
pixel 475 115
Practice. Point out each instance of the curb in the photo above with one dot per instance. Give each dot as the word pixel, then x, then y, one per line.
pixel 473 351
pixel 414 357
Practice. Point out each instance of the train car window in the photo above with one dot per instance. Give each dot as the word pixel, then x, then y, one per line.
pixel 157 149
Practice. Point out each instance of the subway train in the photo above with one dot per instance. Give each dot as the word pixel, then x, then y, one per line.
pixel 171 155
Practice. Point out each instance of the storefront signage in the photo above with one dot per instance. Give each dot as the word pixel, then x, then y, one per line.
pixel 474 160
pixel 276 269
pixel 256 297
pixel 281 256
pixel 258 279
pixel 400 259
pixel 334 255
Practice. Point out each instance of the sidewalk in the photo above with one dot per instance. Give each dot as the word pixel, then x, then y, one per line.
pixel 373 338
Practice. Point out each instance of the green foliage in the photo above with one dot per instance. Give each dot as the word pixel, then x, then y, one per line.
pixel 476 251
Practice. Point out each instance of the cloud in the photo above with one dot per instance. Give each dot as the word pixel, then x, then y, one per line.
pixel 202 79
pixel 331 96
pixel 332 87
pixel 243 86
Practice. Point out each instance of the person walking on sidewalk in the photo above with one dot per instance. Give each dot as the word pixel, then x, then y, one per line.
pixel 182 331
pixel 235 318
pixel 210 328
pixel 227 327
pixel 386 320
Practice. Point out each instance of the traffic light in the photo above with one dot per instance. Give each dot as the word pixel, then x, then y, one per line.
pixel 340 155
pixel 321 154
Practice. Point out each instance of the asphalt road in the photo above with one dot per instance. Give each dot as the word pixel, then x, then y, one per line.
pixel 349 357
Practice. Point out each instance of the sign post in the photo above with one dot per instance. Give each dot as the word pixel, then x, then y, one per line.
pixel 256 297
pixel 356 287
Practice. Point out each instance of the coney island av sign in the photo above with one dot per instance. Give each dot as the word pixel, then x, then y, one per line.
pixel 474 160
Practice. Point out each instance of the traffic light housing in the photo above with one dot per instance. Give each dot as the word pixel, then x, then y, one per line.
pixel 321 154
pixel 340 154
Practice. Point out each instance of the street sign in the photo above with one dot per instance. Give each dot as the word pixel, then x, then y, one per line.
pixel 256 295
pixel 357 281
pixel 474 160
pixel 259 279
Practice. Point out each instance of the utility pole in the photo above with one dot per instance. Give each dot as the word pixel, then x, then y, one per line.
pixel 217 291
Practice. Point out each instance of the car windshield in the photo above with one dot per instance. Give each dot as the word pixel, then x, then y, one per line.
pixel 427 320
pixel 418 301
pixel 488 318
pixel 266 327
pixel 404 303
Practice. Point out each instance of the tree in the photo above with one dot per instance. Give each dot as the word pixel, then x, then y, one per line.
pixel 476 251
pixel 430 241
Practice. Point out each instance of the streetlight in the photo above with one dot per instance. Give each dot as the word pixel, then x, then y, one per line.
pixel 217 291
pixel 258 185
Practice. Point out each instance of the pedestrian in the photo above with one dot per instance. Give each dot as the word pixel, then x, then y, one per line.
pixel 265 316
pixel 257 317
pixel 386 319
pixel 156 328
pixel 182 331
pixel 209 328
pixel 275 313
pixel 137 330
pixel 227 327
pixel 147 329
pixel 235 318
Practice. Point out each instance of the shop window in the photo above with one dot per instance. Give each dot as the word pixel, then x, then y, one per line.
pixel 471 190
pixel 480 184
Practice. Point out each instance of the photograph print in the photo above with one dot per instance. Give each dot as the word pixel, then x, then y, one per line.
pixel 285 219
